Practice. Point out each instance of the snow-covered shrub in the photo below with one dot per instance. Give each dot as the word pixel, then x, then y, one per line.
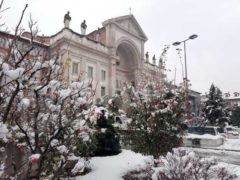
pixel 186 165
pixel 80 167
pixel 156 117
pixel 181 164
pixel 49 119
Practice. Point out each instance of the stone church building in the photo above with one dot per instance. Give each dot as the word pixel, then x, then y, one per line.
pixel 111 56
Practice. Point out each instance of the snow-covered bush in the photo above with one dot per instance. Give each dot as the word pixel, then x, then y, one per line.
pixel 185 164
pixel 156 115
pixel 182 164
pixel 49 120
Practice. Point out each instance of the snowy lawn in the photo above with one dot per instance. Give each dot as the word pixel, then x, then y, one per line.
pixel 232 167
pixel 114 167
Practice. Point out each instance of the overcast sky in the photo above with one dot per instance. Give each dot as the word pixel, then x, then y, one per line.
pixel 212 58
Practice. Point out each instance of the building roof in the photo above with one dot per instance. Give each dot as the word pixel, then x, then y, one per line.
pixel 80 35
pixel 37 41
pixel 130 17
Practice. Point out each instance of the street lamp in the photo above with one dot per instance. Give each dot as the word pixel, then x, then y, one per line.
pixel 194 36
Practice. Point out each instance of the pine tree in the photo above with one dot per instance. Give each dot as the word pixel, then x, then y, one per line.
pixel 235 117
pixel 107 138
pixel 214 111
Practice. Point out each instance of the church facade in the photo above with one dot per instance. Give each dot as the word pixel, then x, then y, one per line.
pixel 111 56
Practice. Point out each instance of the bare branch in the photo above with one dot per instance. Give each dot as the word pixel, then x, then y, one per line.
pixel 1 4
pixel 11 102
pixel 4 9
pixel 15 34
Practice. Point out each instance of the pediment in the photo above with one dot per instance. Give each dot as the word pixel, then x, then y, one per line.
pixel 128 23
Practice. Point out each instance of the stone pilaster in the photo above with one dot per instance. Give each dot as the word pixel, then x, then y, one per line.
pixel 112 77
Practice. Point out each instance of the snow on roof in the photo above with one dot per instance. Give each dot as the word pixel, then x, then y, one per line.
pixel 231 96
pixel 204 136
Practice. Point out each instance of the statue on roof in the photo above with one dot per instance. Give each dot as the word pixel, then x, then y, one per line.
pixel 67 19
pixel 83 27
pixel 160 63
pixel 147 56
pixel 154 59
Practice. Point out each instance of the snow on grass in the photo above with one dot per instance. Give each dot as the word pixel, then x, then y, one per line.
pixel 231 167
pixel 114 167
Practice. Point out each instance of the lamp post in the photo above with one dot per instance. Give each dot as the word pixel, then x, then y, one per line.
pixel 194 36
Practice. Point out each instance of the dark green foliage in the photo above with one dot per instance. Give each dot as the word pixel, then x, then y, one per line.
pixel 214 111
pixel 106 137
pixel 235 118
pixel 85 149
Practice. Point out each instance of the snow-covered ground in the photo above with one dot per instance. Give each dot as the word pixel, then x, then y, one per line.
pixel 114 167
pixel 233 144
pixel 229 152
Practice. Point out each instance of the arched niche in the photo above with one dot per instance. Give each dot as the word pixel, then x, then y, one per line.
pixel 128 59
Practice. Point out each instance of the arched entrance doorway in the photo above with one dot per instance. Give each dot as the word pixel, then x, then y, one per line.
pixel 127 64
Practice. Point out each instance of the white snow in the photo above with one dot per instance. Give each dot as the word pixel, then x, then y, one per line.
pixel 233 144
pixel 62 149
pixel 79 167
pixel 26 102
pixel 54 142
pixel 204 136
pixel 34 156
pixel 110 101
pixel 10 75
pixel 2 167
pixel 114 167
pixel 234 168
pixel 3 132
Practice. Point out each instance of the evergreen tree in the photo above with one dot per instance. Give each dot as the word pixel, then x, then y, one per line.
pixel 235 118
pixel 214 111
pixel 107 138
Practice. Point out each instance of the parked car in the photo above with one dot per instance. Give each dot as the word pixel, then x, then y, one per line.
pixel 232 132
pixel 207 136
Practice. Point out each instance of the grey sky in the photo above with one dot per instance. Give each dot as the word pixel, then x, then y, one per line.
pixel 212 57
